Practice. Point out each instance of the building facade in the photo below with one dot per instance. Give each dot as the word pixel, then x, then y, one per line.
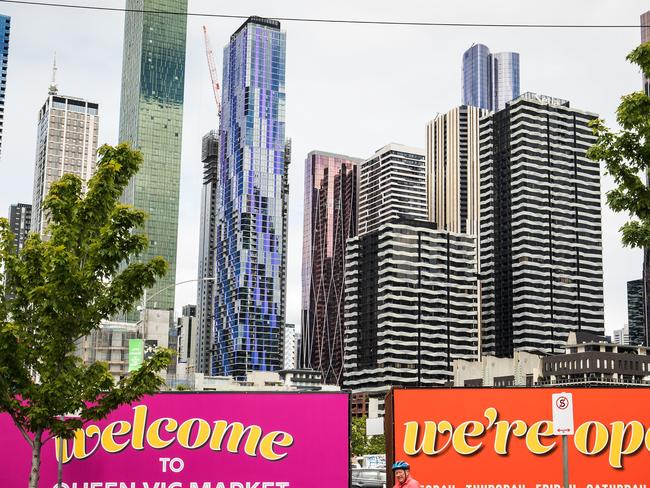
pixel 540 227
pixel 635 321
pixel 330 219
pixel 67 137
pixel 489 79
pixel 5 30
pixel 251 238
pixel 410 306
pixel 452 156
pixel 207 243
pixel 151 119
pixel 645 37
pixel 186 333
pixel 289 347
pixel 20 223
pixel 392 184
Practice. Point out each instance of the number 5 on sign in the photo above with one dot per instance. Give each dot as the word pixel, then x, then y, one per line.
pixel 562 414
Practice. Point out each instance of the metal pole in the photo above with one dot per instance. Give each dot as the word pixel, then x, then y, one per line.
pixel 565 460
pixel 60 466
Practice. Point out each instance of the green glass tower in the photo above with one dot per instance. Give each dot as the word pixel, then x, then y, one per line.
pixel 151 118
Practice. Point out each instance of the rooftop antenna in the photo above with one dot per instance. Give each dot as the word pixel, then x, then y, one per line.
pixel 53 88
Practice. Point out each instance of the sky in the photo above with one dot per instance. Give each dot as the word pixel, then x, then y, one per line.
pixel 350 89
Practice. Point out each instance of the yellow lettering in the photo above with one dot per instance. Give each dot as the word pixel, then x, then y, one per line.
pixel 153 432
pixel 429 438
pixel 616 451
pixel 276 438
pixel 502 436
pixel 460 437
pixel 108 436
pixel 237 431
pixel 57 448
pixel 581 436
pixel 79 446
pixel 139 427
pixel 543 428
pixel 185 430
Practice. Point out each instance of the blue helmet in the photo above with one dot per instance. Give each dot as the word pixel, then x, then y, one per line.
pixel 401 465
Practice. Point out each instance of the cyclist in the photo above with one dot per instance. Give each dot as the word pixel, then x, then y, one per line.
pixel 402 472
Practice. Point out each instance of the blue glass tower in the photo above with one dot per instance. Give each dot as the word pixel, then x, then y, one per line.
pixel 489 79
pixel 252 206
pixel 5 25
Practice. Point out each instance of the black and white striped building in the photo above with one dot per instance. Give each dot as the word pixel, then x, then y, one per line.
pixel 410 306
pixel 540 227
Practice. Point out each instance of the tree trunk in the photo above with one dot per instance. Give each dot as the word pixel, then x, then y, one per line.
pixel 35 473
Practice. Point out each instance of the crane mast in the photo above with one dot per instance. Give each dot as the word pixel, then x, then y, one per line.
pixel 213 72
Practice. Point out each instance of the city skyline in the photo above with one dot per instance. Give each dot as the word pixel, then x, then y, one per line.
pixel 379 122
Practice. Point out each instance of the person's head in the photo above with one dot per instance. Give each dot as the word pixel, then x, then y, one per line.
pixel 401 470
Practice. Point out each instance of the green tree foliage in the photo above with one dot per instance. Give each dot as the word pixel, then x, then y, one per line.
pixel 362 444
pixel 61 288
pixel 626 155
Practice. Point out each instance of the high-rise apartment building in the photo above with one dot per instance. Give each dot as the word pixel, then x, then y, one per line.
pixel 635 322
pixel 540 227
pixel 645 37
pixel 489 79
pixel 5 29
pixel 453 169
pixel 330 219
pixel 207 243
pixel 410 306
pixel 67 137
pixel 289 347
pixel 254 157
pixel 392 184
pixel 151 118
pixel 20 223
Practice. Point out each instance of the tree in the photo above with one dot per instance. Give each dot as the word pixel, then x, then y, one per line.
pixel 59 290
pixel 626 155
pixel 362 444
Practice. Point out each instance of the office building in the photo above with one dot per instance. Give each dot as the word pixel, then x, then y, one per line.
pixel 410 306
pixel 392 184
pixel 330 219
pixel 251 239
pixel 489 79
pixel 5 29
pixel 635 322
pixel 452 157
pixel 20 223
pixel 206 271
pixel 621 336
pixel 67 138
pixel 540 227
pixel 186 327
pixel 151 119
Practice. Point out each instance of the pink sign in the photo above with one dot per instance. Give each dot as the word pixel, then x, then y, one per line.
pixel 198 440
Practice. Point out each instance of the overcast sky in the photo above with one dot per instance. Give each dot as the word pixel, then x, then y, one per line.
pixel 350 89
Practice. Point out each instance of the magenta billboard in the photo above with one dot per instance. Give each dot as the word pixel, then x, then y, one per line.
pixel 198 440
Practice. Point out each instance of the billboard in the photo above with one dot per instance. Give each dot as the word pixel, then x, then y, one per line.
pixel 199 440
pixel 504 437
pixel 136 353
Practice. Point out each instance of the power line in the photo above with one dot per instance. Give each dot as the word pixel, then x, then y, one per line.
pixel 335 21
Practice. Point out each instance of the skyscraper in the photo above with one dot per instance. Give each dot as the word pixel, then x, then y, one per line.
pixel 635 323
pixel 453 170
pixel 20 223
pixel 645 37
pixel 489 79
pixel 252 212
pixel 410 306
pixel 330 219
pixel 151 118
pixel 392 183
pixel 540 227
pixel 68 130
pixel 5 28
pixel 207 242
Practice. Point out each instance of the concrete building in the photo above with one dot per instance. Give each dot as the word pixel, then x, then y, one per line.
pixel 392 184
pixel 109 343
pixel 289 347
pixel 621 336
pixel 20 223
pixel 186 327
pixel 330 219
pixel 410 306
pixel 67 137
pixel 523 369
pixel 540 228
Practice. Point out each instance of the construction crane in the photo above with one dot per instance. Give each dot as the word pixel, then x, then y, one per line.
pixel 213 71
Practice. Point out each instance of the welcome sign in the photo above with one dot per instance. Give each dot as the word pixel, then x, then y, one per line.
pixel 198 440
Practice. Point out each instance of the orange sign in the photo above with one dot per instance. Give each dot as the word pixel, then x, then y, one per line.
pixel 491 437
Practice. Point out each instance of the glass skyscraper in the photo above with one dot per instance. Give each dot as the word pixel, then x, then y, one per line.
pixel 5 25
pixel 252 210
pixel 151 118
pixel 489 79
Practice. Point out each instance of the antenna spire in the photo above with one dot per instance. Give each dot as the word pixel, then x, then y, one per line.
pixel 53 88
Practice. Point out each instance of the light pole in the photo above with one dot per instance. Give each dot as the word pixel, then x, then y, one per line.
pixel 59 474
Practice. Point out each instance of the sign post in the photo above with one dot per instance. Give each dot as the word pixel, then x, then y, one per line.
pixel 563 425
